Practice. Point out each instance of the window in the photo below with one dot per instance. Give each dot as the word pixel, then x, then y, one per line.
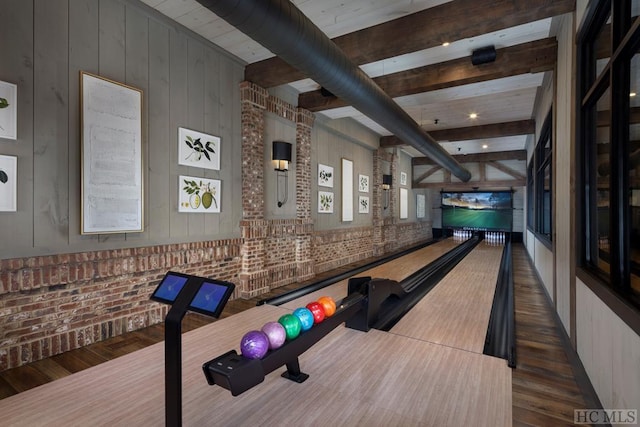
pixel 540 184
pixel 608 146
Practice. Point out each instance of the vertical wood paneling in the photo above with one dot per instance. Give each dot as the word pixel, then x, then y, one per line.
pixel 83 56
pixel 178 118
pixel 112 40
pixel 137 76
pixel 16 66
pixel 211 112
pixel 161 140
pixel 195 120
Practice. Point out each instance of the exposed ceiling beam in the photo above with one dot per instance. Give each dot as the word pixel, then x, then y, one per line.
pixel 455 20
pixel 478 157
pixel 533 57
pixel 496 130
pixel 603 118
pixel 505 169
pixel 427 174
pixel 472 185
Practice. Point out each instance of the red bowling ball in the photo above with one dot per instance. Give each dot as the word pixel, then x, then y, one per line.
pixel 317 310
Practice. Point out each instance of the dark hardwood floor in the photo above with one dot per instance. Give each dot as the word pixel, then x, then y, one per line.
pixel 545 389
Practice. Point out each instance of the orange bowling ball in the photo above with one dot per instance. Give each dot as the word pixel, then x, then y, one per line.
pixel 328 304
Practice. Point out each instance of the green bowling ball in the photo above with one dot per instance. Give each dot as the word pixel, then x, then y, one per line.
pixel 292 325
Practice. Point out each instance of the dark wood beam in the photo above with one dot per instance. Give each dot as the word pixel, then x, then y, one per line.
pixel 478 157
pixel 496 130
pixel 455 20
pixel 426 175
pixel 532 57
pixel 604 117
pixel 472 185
pixel 506 169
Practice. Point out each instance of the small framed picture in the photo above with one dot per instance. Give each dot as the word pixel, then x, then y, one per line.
pixel 198 195
pixel 325 176
pixel 8 184
pixel 198 149
pixel 325 202
pixel 403 178
pixel 363 183
pixel 8 110
pixel 363 204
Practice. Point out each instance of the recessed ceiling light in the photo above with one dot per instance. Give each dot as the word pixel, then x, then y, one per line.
pixel 445 44
pixel 632 94
pixel 485 146
pixel 473 116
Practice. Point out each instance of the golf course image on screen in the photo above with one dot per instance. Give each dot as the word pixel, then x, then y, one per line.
pixel 478 210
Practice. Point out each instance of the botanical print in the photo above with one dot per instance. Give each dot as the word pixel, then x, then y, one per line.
pixel 363 183
pixel 8 187
pixel 198 149
pixel 8 110
pixel 198 194
pixel 325 176
pixel 403 178
pixel 363 204
pixel 325 202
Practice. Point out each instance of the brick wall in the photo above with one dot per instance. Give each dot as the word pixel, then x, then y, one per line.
pixel 335 248
pixel 53 304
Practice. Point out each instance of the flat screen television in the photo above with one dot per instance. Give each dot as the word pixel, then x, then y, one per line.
pixel 477 210
pixel 210 299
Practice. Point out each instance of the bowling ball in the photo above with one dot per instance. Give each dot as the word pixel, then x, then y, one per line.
pixel 291 324
pixel 328 304
pixel 254 345
pixel 305 316
pixel 317 310
pixel 276 334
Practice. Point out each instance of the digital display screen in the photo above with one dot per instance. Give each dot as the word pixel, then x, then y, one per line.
pixel 478 210
pixel 169 287
pixel 211 298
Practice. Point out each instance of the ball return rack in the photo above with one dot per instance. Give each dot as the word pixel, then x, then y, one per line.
pixel 359 310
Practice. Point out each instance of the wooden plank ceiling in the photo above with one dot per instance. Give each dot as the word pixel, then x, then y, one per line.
pixel 399 43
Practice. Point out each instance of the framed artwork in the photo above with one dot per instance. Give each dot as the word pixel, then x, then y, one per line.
pixel 325 176
pixel 363 204
pixel 8 183
pixel 111 158
pixel 403 178
pixel 198 149
pixel 404 203
pixel 420 206
pixel 347 190
pixel 325 202
pixel 198 195
pixel 363 183
pixel 8 110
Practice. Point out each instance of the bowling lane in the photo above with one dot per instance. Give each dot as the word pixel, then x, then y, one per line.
pixel 356 378
pixel 456 312
pixel 397 269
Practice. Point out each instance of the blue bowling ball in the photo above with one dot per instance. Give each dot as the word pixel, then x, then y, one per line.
pixel 305 316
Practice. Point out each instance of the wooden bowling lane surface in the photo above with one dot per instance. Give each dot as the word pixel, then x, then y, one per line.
pixel 397 269
pixel 456 312
pixel 356 378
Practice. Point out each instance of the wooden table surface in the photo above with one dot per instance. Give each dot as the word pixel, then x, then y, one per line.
pixel 356 378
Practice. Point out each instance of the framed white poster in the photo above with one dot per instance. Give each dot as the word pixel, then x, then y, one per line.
pixel 325 176
pixel 325 202
pixel 347 190
pixel 198 195
pixel 363 204
pixel 363 183
pixel 8 183
pixel 8 110
pixel 198 149
pixel 111 159
pixel 403 178
pixel 404 203
pixel 420 206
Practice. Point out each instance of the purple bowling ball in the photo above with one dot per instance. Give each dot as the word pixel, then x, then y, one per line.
pixel 254 345
pixel 276 334
pixel 305 316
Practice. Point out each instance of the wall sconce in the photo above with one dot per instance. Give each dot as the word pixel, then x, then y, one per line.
pixel 386 186
pixel 281 156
